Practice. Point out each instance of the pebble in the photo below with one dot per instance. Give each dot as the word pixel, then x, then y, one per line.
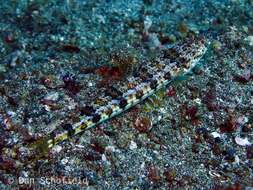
pixel 124 141
pixel 90 84
pixel 104 157
pixel 237 159
pixel 15 59
pixel 110 149
pixel 132 145
pixel 25 174
pixel 216 45
pixel 52 96
pixel 242 142
pixel 147 23
pixel 246 128
pixel 154 41
pixel 154 174
pixel 143 124
pixel 249 40
pixel 2 68
pixel 67 168
pixel 242 120
pixel 216 135
pixel 197 101
pixel 173 38
pixel 56 149
pixel 11 113
pixel 64 161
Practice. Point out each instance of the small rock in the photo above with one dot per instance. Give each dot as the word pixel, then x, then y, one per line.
pixel 71 84
pixel 52 96
pixel 216 45
pixel 170 175
pixel 171 91
pixel 143 124
pixel 132 145
pixel 249 40
pixel 247 128
pixel 183 28
pixel 92 156
pixel 230 154
pixel 216 135
pixel 2 68
pixel 228 126
pixel 130 178
pixel 242 142
pixel 56 149
pixel 124 141
pixel 104 158
pixel 242 120
pixel 67 168
pixel 90 84
pixel 154 41
pixel 64 161
pixel 110 149
pixel 244 78
pixel 98 146
pixel 153 174
pixel 147 24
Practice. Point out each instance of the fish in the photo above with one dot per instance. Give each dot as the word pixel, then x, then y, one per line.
pixel 172 62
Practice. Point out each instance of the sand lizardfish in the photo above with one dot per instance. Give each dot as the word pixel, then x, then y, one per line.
pixel 171 63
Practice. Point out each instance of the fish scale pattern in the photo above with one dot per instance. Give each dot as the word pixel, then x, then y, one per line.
pixel 173 62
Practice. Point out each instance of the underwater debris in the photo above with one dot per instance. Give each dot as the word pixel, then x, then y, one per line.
pixel 242 141
pixel 114 73
pixel 229 125
pixel 244 78
pixel 191 112
pixel 47 81
pixel 183 29
pixel 246 128
pixel 216 45
pixel 209 99
pixel 71 84
pixel 143 124
pixel 97 146
pixel 171 91
pixel 249 40
pixel 170 175
pixel 153 174
pixel 13 101
pixel 9 38
pixel 92 156
pixel 87 110
pixel 7 164
pixel 229 154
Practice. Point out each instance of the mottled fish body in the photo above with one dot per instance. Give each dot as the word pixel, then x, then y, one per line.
pixel 173 62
